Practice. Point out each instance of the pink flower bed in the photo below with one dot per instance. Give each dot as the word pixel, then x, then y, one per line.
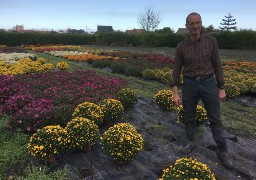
pixel 36 100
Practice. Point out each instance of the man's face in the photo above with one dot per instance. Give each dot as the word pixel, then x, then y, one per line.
pixel 194 24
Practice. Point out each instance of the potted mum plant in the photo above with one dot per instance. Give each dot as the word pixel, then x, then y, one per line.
pixel 62 65
pixel 128 97
pixel 201 114
pixel 89 110
pixel 187 168
pixel 163 99
pixel 82 133
pixel 122 143
pixel 112 109
pixel 47 142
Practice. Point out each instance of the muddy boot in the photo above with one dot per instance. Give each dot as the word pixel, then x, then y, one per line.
pixel 226 161
pixel 189 147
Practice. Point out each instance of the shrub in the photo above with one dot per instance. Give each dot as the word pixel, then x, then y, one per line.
pixel 242 87
pixel 42 172
pixel 82 132
pixel 32 116
pixel 187 168
pixel 112 109
pixel 201 115
pixel 118 67
pixel 166 69
pixel 164 99
pixel 62 65
pixel 90 111
pixel 253 89
pixel 148 74
pixel 128 97
pixel 41 60
pixel 158 73
pixel 101 63
pixel 232 90
pixel 47 142
pixel 15 103
pixel 122 143
pixel 250 83
pixel 167 78
pixel 132 71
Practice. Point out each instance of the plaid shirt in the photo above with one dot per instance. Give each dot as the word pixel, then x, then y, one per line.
pixel 198 58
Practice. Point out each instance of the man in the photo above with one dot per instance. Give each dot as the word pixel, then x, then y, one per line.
pixel 197 58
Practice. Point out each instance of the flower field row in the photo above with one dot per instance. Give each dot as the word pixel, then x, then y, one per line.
pixel 36 100
pixel 25 66
pixel 137 66
pixel 6 49
pixel 56 47
pixel 11 58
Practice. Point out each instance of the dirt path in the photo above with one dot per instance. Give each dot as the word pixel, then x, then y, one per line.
pixel 161 149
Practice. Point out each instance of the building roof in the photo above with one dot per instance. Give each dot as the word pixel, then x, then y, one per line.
pixel 182 31
pixel 104 28
pixel 135 31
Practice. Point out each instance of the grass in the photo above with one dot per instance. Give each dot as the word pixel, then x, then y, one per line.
pixel 239 119
pixel 13 154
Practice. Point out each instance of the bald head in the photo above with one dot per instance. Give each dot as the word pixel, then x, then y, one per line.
pixel 192 14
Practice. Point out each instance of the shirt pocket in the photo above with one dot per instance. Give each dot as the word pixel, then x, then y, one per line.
pixel 207 57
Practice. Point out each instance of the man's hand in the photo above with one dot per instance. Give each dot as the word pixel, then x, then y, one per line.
pixel 176 99
pixel 222 94
pixel 176 96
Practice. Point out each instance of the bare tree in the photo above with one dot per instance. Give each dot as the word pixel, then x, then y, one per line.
pixel 149 20
pixel 228 23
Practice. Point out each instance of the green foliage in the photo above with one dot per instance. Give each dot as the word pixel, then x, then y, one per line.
pixel 112 109
pixel 187 168
pixel 244 39
pixel 253 89
pixel 201 115
pixel 238 119
pixel 17 39
pixel 159 127
pixel 134 71
pixel 242 87
pixel 164 99
pixel 128 97
pixel 167 78
pixel 118 67
pixel 89 110
pixel 101 63
pixel 82 132
pixel 122 143
pixel 232 90
pixel 148 74
pixel 42 173
pixel 47 142
pixel 13 151
pixel 158 73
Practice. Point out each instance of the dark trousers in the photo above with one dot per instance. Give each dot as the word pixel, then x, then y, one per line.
pixel 207 91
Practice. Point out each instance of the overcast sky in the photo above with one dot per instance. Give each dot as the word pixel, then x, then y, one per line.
pixel 122 15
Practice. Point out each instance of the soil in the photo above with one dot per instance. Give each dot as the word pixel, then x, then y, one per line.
pixel 161 149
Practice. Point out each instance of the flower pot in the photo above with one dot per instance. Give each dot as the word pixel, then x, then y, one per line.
pixel 118 162
pixel 52 158
pixel 86 149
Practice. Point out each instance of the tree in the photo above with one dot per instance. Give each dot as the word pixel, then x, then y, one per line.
pixel 165 30
pixel 228 23
pixel 209 29
pixel 149 20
